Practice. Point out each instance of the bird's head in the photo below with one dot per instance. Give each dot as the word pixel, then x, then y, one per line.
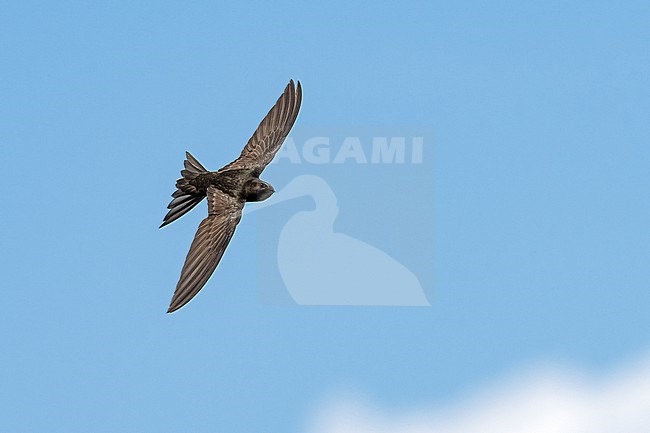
pixel 258 190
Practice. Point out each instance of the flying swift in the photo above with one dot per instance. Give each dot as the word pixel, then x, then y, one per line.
pixel 227 190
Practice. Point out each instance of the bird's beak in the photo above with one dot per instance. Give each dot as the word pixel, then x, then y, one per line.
pixel 276 197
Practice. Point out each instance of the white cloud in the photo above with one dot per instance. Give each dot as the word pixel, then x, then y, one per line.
pixel 548 400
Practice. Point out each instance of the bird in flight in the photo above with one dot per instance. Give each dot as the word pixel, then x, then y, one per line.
pixel 227 189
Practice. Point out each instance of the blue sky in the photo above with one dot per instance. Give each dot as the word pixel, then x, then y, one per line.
pixel 539 115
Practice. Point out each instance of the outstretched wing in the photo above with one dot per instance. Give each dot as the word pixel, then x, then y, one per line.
pixel 208 246
pixel 270 134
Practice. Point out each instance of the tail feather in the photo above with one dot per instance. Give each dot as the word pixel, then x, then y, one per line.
pixel 179 200
pixel 192 163
pixel 186 196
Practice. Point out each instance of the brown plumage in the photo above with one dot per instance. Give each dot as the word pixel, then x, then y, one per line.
pixel 227 190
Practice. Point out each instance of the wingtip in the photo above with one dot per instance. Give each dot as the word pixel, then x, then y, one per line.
pixel 173 308
pixel 296 89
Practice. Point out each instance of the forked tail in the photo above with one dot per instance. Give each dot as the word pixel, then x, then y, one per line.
pixel 186 196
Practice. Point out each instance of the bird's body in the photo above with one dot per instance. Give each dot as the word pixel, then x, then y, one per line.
pixel 240 184
pixel 227 190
